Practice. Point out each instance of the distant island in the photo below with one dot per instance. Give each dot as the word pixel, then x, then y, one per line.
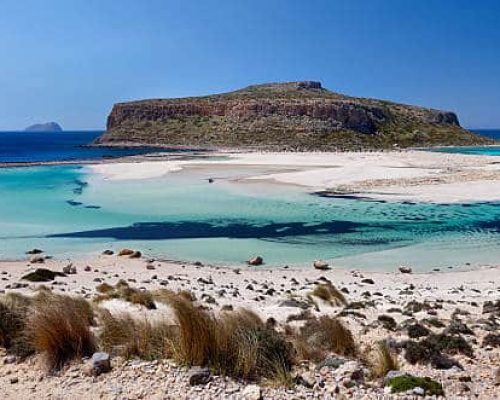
pixel 44 127
pixel 296 116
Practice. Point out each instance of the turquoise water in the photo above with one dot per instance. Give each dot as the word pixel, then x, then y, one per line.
pixel 67 210
pixel 477 150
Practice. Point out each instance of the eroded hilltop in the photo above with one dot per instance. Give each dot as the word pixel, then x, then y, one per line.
pixel 283 116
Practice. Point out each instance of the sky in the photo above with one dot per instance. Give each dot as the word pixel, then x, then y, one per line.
pixel 70 60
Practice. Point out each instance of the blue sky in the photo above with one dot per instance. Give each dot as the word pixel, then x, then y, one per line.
pixel 70 60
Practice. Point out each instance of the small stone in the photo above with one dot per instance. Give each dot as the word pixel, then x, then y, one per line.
pixel 9 359
pixel 14 380
pixel 405 270
pixel 368 281
pixel 306 379
pixel 87 268
pixel 252 392
pixel 37 260
pixel 135 254
pixel 199 376
pixel 100 363
pixel 108 252
pixel 497 377
pixel 150 266
pixel 419 391
pixel 321 265
pixel 125 252
pixel 257 260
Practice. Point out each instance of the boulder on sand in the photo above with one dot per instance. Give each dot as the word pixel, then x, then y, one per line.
pixel 125 252
pixel 257 260
pixel 320 264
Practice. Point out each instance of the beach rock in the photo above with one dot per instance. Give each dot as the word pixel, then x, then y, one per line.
pixel 321 265
pixel 368 281
pixel 150 266
pixel 307 379
pixel 497 377
pixel 405 270
pixel 125 252
pixel 42 275
pixel 257 260
pixel 87 268
pixel 252 392
pixel 34 251
pixel 199 376
pixel 108 252
pixel 135 254
pixel 100 363
pixel 37 260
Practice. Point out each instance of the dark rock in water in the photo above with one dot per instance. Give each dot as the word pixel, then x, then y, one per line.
pixel 35 251
pixel 44 127
pixel 108 252
pixel 42 275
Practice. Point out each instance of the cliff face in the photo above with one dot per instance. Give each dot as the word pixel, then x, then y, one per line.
pixel 295 115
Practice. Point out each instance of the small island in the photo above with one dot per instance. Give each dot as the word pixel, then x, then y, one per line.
pixel 44 127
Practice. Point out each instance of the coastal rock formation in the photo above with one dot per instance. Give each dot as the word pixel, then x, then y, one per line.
pixel 283 116
pixel 45 127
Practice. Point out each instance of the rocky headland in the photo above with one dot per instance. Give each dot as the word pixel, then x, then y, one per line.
pixel 283 116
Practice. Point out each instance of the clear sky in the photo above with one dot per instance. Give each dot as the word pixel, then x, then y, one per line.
pixel 70 60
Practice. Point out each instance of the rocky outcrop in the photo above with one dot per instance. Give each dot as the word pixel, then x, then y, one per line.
pixel 300 115
pixel 45 127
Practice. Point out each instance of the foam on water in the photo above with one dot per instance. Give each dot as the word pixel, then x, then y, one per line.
pixel 68 210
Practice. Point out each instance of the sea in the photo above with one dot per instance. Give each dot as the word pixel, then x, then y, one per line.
pixel 70 210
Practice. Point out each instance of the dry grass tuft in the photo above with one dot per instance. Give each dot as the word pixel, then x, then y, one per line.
pixel 329 293
pixel 59 328
pixel 381 360
pixel 123 291
pixel 128 337
pixel 13 310
pixel 320 336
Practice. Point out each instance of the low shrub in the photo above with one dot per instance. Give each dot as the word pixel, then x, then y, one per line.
pixel 319 336
pixel 404 383
pixel 416 331
pixel 329 293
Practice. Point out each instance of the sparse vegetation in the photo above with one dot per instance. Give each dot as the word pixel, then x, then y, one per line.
pixel 123 291
pixel 319 336
pixel 404 383
pixel 381 360
pixel 329 293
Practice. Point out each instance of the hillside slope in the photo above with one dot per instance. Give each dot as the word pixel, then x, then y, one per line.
pixel 282 116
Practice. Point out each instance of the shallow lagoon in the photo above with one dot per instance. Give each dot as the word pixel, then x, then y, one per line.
pixel 69 210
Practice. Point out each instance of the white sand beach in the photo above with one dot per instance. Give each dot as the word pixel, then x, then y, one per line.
pixel 398 175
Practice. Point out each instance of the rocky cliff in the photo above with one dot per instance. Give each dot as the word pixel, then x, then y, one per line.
pixel 284 116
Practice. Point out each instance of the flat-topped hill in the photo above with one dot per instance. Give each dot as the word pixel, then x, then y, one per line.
pixel 282 116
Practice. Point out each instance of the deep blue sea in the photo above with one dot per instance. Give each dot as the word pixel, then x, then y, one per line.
pixel 57 146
